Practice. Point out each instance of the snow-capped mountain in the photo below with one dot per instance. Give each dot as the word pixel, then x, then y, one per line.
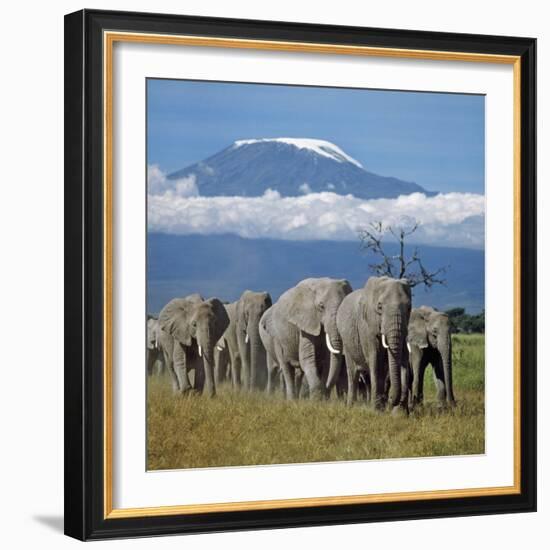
pixel 291 166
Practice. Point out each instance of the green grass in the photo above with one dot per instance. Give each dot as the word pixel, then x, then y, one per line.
pixel 245 429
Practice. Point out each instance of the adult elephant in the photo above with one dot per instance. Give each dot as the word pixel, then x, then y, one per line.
pixel 249 310
pixel 430 344
pixel 191 327
pixel 154 352
pixel 305 333
pixel 373 323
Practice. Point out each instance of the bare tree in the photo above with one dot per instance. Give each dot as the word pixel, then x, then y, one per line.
pixel 398 265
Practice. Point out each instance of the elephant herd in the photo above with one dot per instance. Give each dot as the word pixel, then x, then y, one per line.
pixel 318 337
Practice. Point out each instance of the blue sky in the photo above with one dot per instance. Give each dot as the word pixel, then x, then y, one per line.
pixel 435 140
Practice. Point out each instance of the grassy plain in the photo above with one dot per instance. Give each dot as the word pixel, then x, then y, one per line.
pixel 237 429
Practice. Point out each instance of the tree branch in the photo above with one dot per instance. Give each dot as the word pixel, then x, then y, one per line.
pixel 411 267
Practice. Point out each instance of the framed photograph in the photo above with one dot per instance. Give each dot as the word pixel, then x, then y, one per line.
pixel 300 274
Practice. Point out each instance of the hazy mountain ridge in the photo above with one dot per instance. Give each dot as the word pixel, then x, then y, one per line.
pixel 291 166
pixel 226 265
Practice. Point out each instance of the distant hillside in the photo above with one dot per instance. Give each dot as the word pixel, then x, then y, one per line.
pixel 291 166
pixel 225 265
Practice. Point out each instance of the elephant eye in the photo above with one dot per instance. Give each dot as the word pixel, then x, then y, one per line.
pixel 321 306
pixel 194 324
pixel 379 307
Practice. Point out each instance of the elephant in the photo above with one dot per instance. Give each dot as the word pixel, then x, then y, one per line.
pixel 303 327
pixel 249 309
pixel 154 352
pixel 191 327
pixel 373 325
pixel 429 340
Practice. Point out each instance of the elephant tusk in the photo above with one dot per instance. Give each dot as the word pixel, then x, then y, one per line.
pixel 219 348
pixel 246 338
pixel 200 351
pixel 329 346
pixel 409 347
pixel 156 343
pixel 384 341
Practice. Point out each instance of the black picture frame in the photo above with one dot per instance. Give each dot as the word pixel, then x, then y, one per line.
pixel 84 282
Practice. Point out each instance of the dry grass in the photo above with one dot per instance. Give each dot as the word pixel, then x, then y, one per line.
pixel 245 429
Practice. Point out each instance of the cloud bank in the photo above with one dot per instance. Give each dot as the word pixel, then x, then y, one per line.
pixel 451 219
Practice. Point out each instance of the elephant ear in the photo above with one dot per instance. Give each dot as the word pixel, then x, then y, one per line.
pixel 179 328
pixel 302 311
pixel 406 285
pixel 265 321
pixel 267 299
pixel 418 334
pixel 370 295
pixel 174 319
pixel 222 318
pixel 346 286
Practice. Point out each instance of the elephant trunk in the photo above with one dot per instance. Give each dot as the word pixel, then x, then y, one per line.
pixel 444 347
pixel 333 341
pixel 258 359
pixel 393 339
pixel 335 368
pixel 206 343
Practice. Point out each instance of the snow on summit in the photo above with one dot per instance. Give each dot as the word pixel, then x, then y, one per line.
pixel 319 146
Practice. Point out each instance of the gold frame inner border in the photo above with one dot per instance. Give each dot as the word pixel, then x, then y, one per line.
pixel 109 39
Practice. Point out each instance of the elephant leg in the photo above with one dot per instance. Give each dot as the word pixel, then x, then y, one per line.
pixel 365 375
pixel 244 351
pixel 307 356
pixel 439 380
pixel 221 360
pixel 170 367
pixel 418 366
pixel 378 379
pixel 198 365
pixel 275 378
pixel 217 367
pixel 180 368
pixel 160 363
pixel 302 389
pixel 282 381
pixel 405 386
pixel 150 361
pixel 353 380
pixel 272 375
pixel 288 374
pixel 236 371
pixel 289 381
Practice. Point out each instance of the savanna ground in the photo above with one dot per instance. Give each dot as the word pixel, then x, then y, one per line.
pixel 236 429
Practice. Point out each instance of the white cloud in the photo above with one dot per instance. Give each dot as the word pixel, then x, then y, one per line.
pixel 451 219
pixel 158 184
pixel 305 188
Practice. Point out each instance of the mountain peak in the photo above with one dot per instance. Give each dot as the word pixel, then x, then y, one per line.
pixel 318 146
pixel 292 167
